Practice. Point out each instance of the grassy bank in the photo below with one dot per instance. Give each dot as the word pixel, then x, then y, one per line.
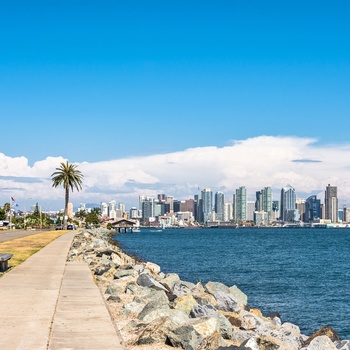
pixel 23 248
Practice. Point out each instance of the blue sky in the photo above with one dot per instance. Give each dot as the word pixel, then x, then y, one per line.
pixel 101 81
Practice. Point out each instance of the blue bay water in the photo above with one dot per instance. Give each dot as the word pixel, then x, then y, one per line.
pixel 301 273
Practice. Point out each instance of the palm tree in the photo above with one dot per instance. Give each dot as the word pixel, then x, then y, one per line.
pixel 70 177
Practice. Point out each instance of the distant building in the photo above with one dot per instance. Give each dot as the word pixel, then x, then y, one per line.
pixel 207 204
pixel 147 209
pixel 240 205
pixel 275 210
pixel 104 209
pixel 250 210
pixel 331 204
pixel 219 206
pixel 300 205
pixel 112 209
pixel 264 202
pixel 288 199
pixel 133 213
pixel 312 209
pixel 228 213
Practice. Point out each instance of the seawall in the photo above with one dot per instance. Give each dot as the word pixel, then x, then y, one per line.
pixel 153 310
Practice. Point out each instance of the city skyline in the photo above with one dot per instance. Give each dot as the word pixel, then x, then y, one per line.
pixel 169 97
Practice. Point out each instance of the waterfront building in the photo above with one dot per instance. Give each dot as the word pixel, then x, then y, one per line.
pixel 119 214
pixel 219 206
pixel 250 210
pixel 158 209
pixel 147 209
pixel 261 218
pixel 346 214
pixel 207 204
pixel 112 209
pixel 300 205
pixel 103 208
pixel 312 209
pixel 228 214
pixel 170 202
pixel 288 199
pixel 275 210
pixel 121 206
pixel 331 204
pixel 240 205
pixel 264 202
pixel 133 213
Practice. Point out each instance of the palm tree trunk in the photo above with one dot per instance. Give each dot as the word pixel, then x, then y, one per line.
pixel 66 201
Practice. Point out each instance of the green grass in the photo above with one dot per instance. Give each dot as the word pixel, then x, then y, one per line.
pixel 23 248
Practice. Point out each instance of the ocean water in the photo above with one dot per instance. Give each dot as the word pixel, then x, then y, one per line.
pixel 303 274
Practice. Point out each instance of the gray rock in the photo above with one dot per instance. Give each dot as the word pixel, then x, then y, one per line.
pixel 321 343
pixel 146 280
pixel 181 288
pixel 115 288
pixel 203 311
pixel 199 333
pixel 226 302
pixel 101 269
pixel 239 296
pixel 226 330
pixel 123 273
pixel 342 344
pixel 169 280
pixel 151 306
pixel 215 287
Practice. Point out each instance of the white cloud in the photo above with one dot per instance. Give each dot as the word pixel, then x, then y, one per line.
pixel 254 163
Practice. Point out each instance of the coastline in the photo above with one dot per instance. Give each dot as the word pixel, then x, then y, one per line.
pixel 157 311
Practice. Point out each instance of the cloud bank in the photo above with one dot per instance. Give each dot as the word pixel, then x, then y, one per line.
pixel 255 163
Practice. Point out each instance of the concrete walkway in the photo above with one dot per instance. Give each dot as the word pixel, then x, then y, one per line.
pixel 46 303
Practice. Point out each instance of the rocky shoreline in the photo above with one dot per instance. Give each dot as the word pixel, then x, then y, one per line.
pixel 153 310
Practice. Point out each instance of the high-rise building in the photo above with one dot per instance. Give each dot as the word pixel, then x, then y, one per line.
pixel 331 203
pixel 250 210
pixel 207 204
pixel 264 202
pixel 147 208
pixel 275 210
pixel 133 213
pixel 228 214
pixel 300 205
pixel 312 209
pixel 112 209
pixel 104 209
pixel 240 204
pixel 288 199
pixel 219 206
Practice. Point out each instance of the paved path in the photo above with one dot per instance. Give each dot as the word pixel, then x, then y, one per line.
pixel 46 303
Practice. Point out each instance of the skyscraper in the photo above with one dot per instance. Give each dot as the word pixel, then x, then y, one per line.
pixel 312 208
pixel 207 204
pixel 331 203
pixel 240 204
pixel 264 202
pixel 219 205
pixel 288 199
pixel 228 214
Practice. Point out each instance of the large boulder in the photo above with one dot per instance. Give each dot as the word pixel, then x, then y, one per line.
pixel 181 288
pixel 322 342
pixel 185 303
pixel 146 280
pixel 240 298
pixel 325 330
pixel 199 333
pixel 169 280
